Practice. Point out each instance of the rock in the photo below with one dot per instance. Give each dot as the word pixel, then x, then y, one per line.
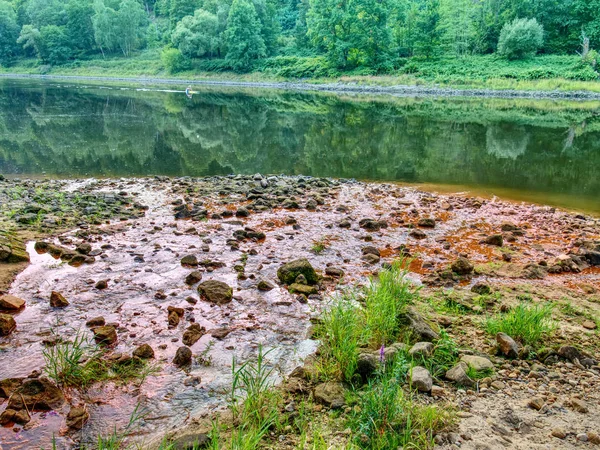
pixel 288 272
pixel 214 291
pixel 183 357
pixel 12 250
pixel 417 234
pixel 420 326
pixel 174 315
pixel 189 261
pixel 96 322
pixel 7 324
pixel 507 345
pixel 144 351
pixel 21 417
pixel 192 334
pixel 421 379
pixel 593 437
pixel 370 250
pixel 437 391
pixel 193 278
pixel 38 394
pixel 570 353
pixel 75 260
pixel 481 289
pixel 57 300
pixel 462 266
pixel 11 303
pixel 9 385
pixel 264 285
pixel 495 239
pixel 423 349
pixel 303 289
pixel 559 433
pixel 498 385
pixel 366 365
pixel 458 374
pixel 579 405
pixel 334 272
pixel 369 258
pixel 77 417
pixel 478 363
pixel 536 403
pixel 84 248
pixel 372 225
pixel 331 394
pixel 301 279
pixel 106 335
pixel 427 222
pixel 588 324
pixel 102 284
pixel 191 442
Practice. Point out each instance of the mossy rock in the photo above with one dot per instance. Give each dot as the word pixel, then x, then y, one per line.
pixel 12 250
pixel 288 273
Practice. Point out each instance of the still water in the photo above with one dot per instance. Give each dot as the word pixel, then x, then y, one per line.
pixel 545 151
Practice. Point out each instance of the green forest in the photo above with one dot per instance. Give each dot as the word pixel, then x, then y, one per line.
pixel 311 38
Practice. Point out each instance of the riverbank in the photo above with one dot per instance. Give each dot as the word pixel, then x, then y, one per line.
pixel 202 264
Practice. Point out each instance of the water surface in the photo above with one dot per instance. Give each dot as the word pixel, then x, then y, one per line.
pixel 546 151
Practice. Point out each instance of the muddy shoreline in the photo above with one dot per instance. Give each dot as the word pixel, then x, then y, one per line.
pixel 137 253
pixel 341 88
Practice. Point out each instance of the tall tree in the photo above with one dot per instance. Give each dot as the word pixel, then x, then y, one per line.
pixel 181 8
pixel 80 28
pixel 428 32
pixel 9 32
pixel 245 43
pixel 197 35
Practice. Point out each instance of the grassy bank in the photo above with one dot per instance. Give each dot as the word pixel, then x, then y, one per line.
pixel 543 73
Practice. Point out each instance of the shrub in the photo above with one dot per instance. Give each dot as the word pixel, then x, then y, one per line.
pixel 174 61
pixel 527 324
pixel 520 39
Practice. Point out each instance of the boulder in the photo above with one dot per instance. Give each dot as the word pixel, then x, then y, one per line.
pixel 11 303
pixel 331 394
pixel 183 357
pixel 458 374
pixel 192 334
pixel 57 300
pixel 214 291
pixel 478 363
pixel 37 394
pixel 507 345
pixel 421 379
pixel 144 351
pixel 462 266
pixel 106 335
pixel 7 324
pixel 288 272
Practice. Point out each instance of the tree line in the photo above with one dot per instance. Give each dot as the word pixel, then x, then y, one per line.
pixel 344 34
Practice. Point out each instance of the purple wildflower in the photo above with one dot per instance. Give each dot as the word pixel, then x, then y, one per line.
pixel 382 354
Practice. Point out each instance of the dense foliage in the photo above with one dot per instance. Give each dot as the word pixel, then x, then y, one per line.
pixel 299 37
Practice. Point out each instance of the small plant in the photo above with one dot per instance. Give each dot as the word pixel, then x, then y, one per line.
pixel 527 324
pixel 204 358
pixel 319 246
pixel 475 374
pixel 444 356
pixel 385 302
pixel 64 360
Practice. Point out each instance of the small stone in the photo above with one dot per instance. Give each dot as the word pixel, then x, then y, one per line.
pixel 478 363
pixel 96 322
pixel 192 334
pixel 458 374
pixel 57 300
pixel 105 335
pixel 495 239
pixel 264 285
pixel 189 261
pixel 481 289
pixel 427 222
pixel 421 349
pixel 102 284
pixel 559 433
pixel 421 379
pixel 579 405
pixel 193 278
pixel 77 417
pixel 536 403
pixel 498 385
pixel 303 289
pixel 589 325
pixel 593 437
pixel 214 291
pixel 11 303
pixel 7 324
pixel 183 357
pixel 334 272
pixel 144 351
pixel 417 234
pixel 437 391
pixel 331 394
pixel 462 266
pixel 288 272
pixel 507 345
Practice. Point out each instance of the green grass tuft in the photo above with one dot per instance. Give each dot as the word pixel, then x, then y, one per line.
pixel 527 324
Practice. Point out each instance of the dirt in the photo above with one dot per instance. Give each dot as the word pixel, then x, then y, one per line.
pixel 140 257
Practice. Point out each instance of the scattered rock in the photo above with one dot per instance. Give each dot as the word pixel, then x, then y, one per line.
pixel 102 284
pixel 183 357
pixel 144 351
pixel 507 345
pixel 478 363
pixel 481 289
pixel 423 349
pixel 417 234
pixel 370 258
pixel 264 285
pixel 421 379
pixel 214 291
pixel 559 433
pixel 579 405
pixel 106 335
pixel 462 266
pixel 192 334
pixel 370 250
pixel 191 442
pixel 536 403
pixel 193 278
pixel 174 315
pixel 57 300
pixel 458 374
pixel 11 303
pixel 588 324
pixel 38 394
pixel 288 273
pixel 189 261
pixel 331 394
pixel 495 239
pixel 420 326
pixel 427 222
pixel 366 365
pixel 7 324
pixel 96 322
pixel 77 417
pixel 334 272
pixel 303 289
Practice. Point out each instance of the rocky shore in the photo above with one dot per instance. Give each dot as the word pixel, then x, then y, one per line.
pixel 171 280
